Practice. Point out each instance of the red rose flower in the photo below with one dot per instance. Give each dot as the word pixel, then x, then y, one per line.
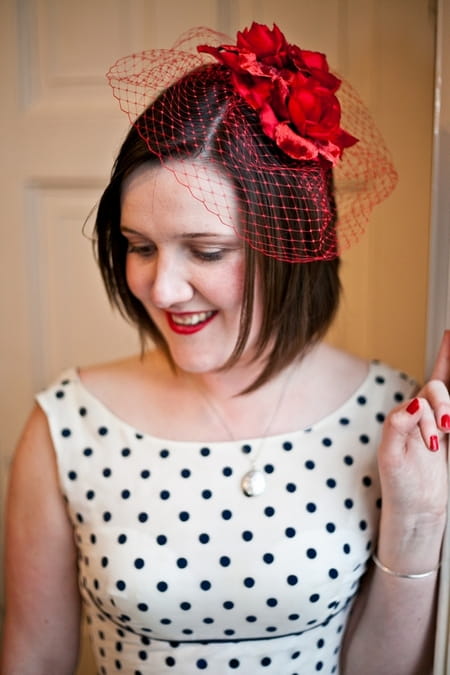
pixel 292 90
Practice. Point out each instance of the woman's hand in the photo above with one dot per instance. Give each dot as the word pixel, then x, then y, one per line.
pixel 413 470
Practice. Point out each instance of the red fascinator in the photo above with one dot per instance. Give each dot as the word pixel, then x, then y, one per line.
pixel 292 90
pixel 298 144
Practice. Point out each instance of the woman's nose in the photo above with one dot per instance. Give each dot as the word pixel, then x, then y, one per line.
pixel 170 284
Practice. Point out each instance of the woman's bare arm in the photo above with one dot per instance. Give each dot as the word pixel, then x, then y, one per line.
pixel 393 623
pixel 41 629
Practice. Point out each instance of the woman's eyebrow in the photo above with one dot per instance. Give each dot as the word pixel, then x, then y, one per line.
pixel 183 235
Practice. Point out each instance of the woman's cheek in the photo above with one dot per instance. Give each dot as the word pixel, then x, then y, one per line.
pixel 136 277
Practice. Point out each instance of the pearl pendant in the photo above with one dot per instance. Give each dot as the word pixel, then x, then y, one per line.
pixel 253 483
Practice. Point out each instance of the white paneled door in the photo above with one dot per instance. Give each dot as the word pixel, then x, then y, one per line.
pixel 60 129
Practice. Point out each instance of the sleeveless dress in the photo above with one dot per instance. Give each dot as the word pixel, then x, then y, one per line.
pixel 181 573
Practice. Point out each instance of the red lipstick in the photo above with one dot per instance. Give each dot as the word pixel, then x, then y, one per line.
pixel 185 328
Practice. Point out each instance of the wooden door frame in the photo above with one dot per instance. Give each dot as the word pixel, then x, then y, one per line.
pixel 439 280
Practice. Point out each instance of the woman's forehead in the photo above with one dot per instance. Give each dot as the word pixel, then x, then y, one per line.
pixel 193 185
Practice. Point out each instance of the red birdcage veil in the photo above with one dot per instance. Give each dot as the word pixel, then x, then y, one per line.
pixel 285 181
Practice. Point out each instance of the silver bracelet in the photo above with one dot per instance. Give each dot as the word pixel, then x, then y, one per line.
pixel 421 575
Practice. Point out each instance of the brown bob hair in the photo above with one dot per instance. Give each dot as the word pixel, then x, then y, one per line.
pixel 299 300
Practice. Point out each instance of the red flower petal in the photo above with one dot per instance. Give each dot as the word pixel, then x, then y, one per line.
pixel 269 121
pixel 262 41
pixel 294 145
pixel 254 91
pixel 315 60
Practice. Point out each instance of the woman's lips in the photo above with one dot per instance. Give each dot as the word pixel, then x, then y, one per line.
pixel 186 323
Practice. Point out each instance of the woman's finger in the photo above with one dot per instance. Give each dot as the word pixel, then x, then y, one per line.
pixel 441 368
pixel 437 395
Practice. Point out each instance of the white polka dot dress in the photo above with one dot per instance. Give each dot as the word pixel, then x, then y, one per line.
pixel 181 573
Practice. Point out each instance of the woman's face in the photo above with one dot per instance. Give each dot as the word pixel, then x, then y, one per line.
pixel 185 266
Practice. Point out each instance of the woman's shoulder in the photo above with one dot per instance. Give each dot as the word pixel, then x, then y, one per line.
pixel 340 375
pixel 133 369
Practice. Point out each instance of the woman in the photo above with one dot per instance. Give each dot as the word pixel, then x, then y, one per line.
pixel 215 501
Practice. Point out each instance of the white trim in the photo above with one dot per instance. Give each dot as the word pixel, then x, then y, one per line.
pixel 439 260
pixel 439 280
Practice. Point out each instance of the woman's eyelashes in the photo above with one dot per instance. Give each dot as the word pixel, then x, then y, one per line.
pixel 143 250
pixel 147 250
pixel 209 255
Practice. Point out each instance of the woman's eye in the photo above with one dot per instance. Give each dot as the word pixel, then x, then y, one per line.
pixel 144 250
pixel 209 255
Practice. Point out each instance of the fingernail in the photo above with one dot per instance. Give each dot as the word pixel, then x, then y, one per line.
pixel 434 443
pixel 413 407
pixel 445 421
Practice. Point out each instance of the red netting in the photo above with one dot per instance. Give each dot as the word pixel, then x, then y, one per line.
pixel 186 108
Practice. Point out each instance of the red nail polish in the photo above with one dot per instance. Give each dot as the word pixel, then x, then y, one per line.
pixel 413 407
pixel 445 421
pixel 434 443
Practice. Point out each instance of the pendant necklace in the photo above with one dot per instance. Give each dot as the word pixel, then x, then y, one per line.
pixel 253 482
